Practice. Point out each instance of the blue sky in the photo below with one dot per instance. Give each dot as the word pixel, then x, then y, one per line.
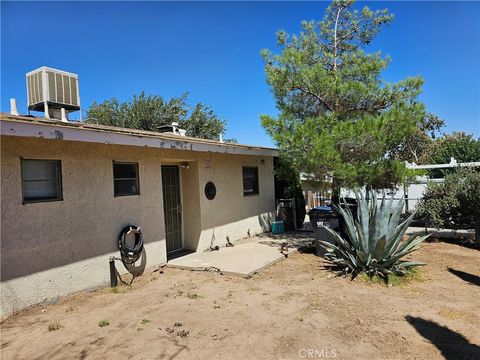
pixel 212 50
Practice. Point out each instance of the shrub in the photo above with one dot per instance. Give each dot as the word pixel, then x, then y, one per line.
pixel 103 323
pixel 373 244
pixel 53 326
pixel 454 203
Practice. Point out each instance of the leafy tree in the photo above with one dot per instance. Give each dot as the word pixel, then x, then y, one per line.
pixel 151 112
pixel 461 146
pixel 419 146
pixel 337 115
pixel 203 123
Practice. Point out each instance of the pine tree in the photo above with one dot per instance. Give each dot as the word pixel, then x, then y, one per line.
pixel 337 115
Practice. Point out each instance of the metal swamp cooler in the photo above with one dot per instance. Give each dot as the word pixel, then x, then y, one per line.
pixel 321 217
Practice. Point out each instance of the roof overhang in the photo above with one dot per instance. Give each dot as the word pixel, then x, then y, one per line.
pixel 54 131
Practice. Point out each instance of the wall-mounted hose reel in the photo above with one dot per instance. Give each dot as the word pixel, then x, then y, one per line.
pixel 129 254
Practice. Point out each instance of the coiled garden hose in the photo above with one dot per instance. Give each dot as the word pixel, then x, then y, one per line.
pixel 130 255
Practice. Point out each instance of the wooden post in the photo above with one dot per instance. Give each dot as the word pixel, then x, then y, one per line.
pixel 113 272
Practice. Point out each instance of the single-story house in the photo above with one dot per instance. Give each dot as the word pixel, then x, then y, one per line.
pixel 69 188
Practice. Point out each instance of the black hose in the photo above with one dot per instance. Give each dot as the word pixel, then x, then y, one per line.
pixel 130 255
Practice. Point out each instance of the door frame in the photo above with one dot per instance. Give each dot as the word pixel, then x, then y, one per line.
pixel 182 242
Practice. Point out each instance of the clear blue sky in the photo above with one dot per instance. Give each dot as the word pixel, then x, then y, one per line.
pixel 212 51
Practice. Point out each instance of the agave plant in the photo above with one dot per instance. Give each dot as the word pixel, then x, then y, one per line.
pixel 373 244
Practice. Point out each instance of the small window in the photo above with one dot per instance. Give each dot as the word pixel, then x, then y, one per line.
pixel 125 179
pixel 250 181
pixel 41 180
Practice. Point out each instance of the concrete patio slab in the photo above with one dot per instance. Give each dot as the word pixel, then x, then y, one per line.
pixel 247 257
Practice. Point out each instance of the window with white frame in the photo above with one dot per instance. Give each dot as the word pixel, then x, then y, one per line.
pixel 41 180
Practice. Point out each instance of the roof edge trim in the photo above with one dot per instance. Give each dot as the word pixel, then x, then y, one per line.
pixel 56 132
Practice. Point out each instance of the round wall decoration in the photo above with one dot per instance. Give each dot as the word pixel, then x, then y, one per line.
pixel 210 190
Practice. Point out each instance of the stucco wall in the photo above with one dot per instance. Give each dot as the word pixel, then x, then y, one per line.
pixel 50 249
pixel 231 213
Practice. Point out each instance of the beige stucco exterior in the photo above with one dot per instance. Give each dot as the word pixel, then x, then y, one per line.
pixel 50 249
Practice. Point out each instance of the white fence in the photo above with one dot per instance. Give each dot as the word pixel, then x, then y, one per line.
pixel 412 192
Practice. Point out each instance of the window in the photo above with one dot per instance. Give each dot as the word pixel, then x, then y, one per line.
pixel 125 179
pixel 41 180
pixel 250 180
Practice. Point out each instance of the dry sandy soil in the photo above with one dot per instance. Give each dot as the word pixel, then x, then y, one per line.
pixel 293 310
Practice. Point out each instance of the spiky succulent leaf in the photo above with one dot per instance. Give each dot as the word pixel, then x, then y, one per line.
pixel 338 239
pixel 395 218
pixel 410 263
pixel 379 251
pixel 398 235
pixel 414 241
pixel 374 239
pixel 363 221
pixel 349 225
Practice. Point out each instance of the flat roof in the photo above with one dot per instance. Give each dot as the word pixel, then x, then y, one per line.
pixel 29 126
pixel 46 68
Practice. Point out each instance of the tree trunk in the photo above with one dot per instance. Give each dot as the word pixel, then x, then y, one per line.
pixel 368 189
pixel 336 193
pixel 335 56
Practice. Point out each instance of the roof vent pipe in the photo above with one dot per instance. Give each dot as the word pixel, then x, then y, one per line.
pixel 174 127
pixel 13 107
pixel 64 115
pixel 176 130
pixel 221 138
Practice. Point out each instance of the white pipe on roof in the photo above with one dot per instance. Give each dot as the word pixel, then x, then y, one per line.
pixel 13 107
pixel 63 115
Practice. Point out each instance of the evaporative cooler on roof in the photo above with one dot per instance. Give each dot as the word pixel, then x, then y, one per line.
pixel 50 90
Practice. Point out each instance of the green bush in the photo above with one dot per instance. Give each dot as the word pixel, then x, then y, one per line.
pixel 454 203
pixel 103 323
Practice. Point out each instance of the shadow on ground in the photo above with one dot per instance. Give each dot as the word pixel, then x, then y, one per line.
pixel 297 240
pixel 451 344
pixel 472 279
pixel 460 237
pixel 95 349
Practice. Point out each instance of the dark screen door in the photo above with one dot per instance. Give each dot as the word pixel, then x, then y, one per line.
pixel 172 207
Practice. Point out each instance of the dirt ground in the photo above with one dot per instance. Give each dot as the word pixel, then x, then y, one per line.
pixel 295 309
